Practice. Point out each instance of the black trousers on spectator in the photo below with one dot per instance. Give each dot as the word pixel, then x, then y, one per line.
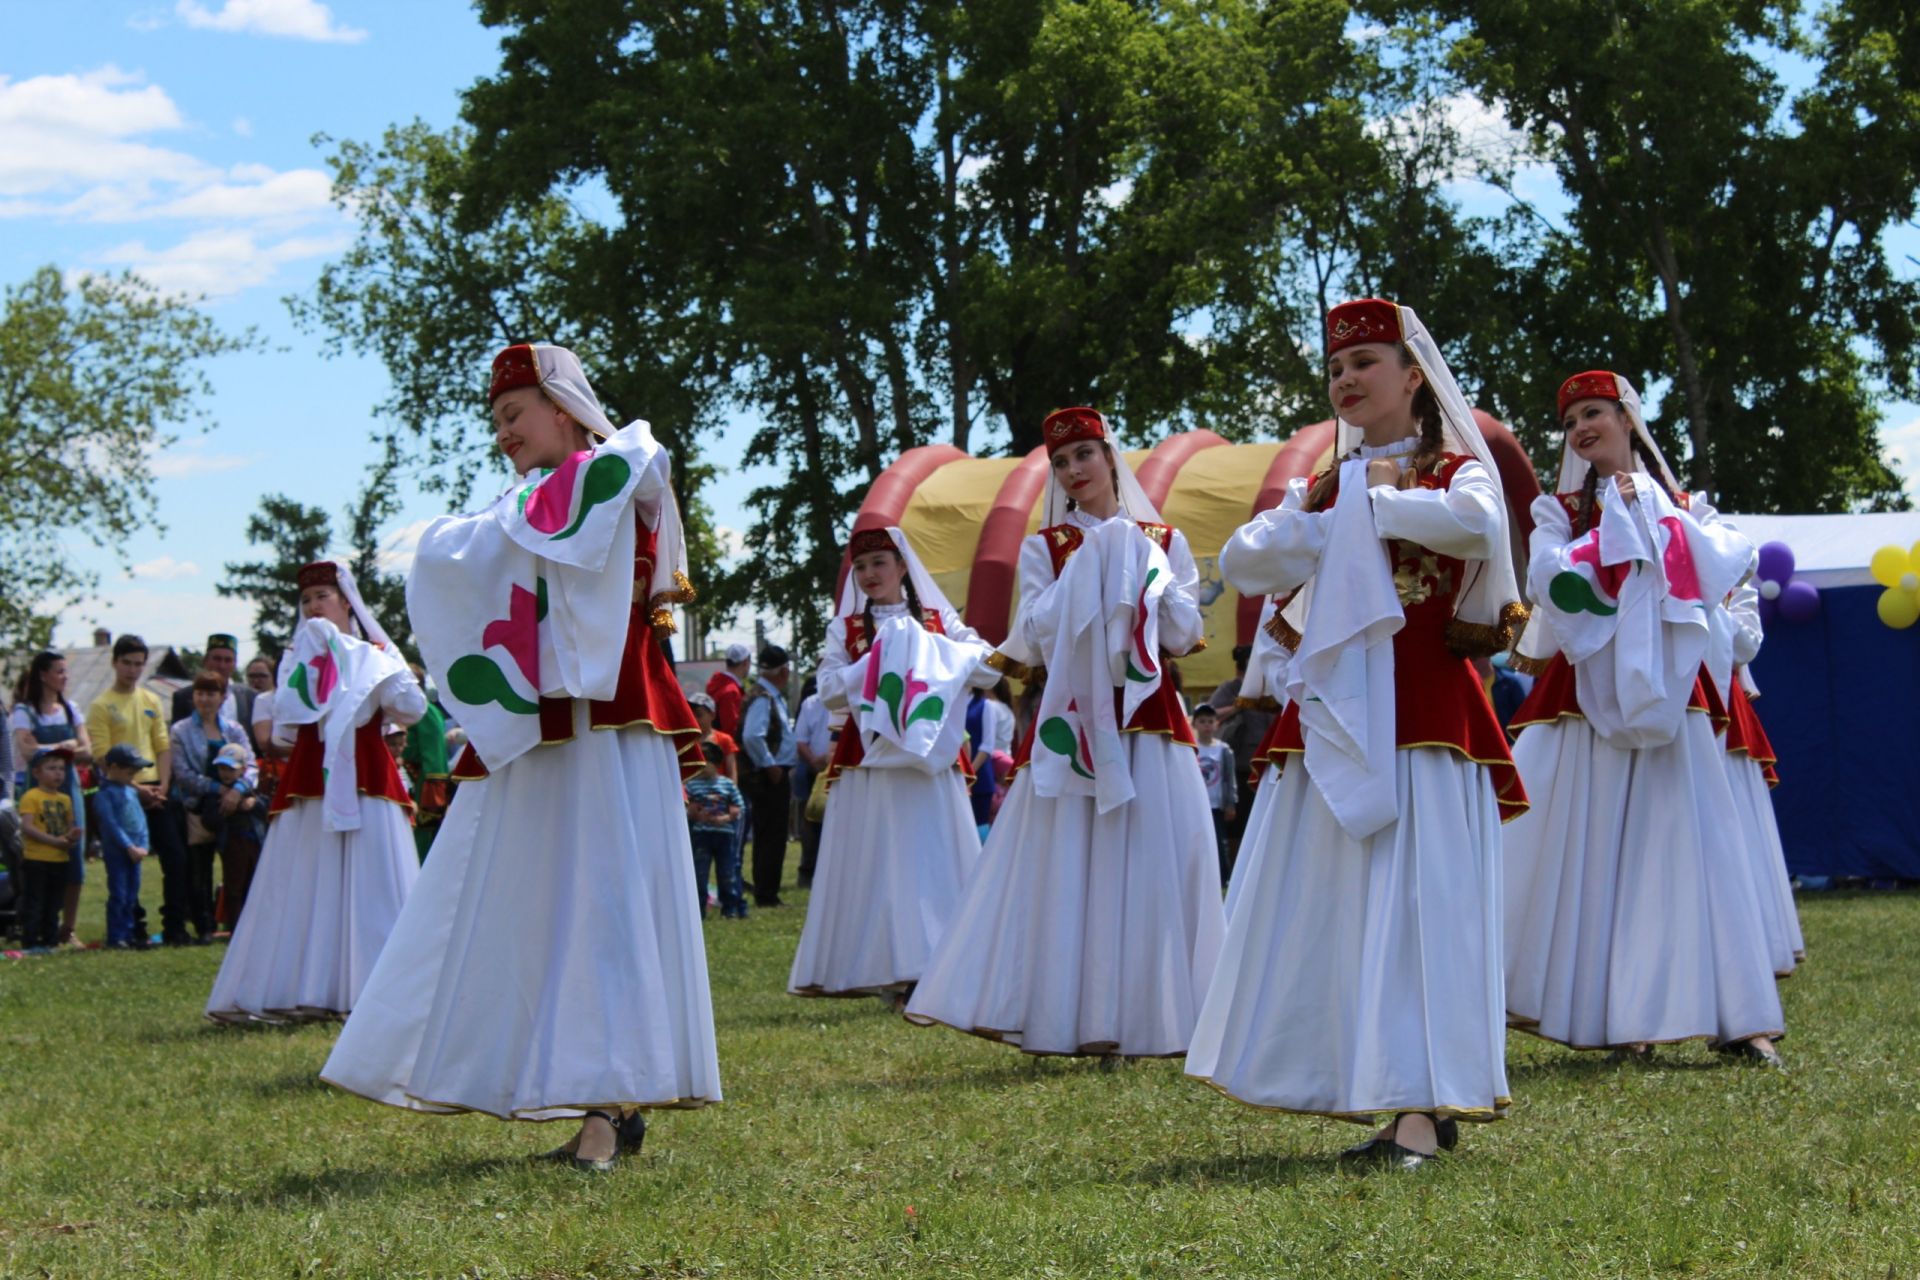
pixel 769 833
pixel 43 892
pixel 167 833
pixel 200 888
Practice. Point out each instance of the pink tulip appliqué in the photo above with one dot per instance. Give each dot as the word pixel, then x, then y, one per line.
pixel 316 688
pixel 1683 580
pixel 519 632
pixel 1146 668
pixel 548 505
pixel 477 680
pixel 1589 586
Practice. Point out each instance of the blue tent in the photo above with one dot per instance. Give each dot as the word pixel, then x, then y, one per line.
pixel 1840 699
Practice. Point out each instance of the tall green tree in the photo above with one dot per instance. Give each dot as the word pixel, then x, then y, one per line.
pixel 1728 235
pixel 95 377
pixel 293 535
pixel 872 223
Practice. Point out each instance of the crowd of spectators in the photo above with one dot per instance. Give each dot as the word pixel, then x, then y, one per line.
pixel 191 784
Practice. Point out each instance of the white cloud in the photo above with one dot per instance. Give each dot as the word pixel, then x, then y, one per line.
pixel 243 126
pixel 158 615
pixel 220 262
pixel 190 458
pixel 733 543
pixel 297 194
pixel 1487 142
pixel 396 554
pixel 1902 446
pixel 61 132
pixel 296 19
pixel 164 569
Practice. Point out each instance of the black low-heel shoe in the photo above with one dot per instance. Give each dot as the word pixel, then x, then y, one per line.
pixel 1447 1132
pixel 1387 1154
pixel 632 1132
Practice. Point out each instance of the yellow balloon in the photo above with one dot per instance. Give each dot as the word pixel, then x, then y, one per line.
pixel 1888 564
pixel 1898 609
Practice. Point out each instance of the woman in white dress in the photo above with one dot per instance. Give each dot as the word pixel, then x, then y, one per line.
pixel 1094 920
pixel 899 843
pixel 1361 975
pixel 551 963
pixel 1633 910
pixel 336 866
pixel 1750 760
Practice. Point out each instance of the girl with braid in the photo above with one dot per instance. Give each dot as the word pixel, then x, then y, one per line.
pixel 1633 915
pixel 899 842
pixel 1361 975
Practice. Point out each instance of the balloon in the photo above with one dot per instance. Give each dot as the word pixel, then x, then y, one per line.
pixel 1800 601
pixel 1776 562
pixel 1769 588
pixel 1888 564
pixel 1898 609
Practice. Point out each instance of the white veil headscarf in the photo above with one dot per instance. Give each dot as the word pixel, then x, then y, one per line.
pixel 558 374
pixel 1601 385
pixel 853 600
pixel 370 628
pixel 1070 426
pixel 1487 610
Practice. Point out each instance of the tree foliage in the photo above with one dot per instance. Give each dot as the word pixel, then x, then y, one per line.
pixel 1727 234
pixel 867 225
pixel 293 534
pixel 95 376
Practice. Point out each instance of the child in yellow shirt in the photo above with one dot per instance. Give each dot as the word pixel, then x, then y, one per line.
pixel 48 835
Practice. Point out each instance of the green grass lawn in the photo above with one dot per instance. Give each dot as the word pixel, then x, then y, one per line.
pixel 136 1140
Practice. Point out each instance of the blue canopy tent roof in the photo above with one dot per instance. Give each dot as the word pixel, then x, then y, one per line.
pixel 1840 699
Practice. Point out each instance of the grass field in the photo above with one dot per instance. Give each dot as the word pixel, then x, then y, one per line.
pixel 136 1140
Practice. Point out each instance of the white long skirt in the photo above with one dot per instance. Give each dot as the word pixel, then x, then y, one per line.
pixel 1363 976
pixel 1761 839
pixel 1085 932
pixel 896 853
pixel 551 959
pixel 1633 914
pixel 318 915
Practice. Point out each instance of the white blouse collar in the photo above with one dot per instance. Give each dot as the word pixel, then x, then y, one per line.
pixel 1080 517
pixel 1393 450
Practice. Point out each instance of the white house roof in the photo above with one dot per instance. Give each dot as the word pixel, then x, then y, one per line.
pixel 1833 551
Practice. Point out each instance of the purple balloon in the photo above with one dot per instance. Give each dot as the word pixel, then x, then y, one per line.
pixel 1799 601
pixel 1776 562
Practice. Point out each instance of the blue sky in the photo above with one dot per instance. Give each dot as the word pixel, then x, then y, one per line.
pixel 174 137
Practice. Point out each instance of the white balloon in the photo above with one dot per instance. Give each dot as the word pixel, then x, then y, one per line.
pixel 1769 589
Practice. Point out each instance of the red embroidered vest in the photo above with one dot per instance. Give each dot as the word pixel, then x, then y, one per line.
pixel 1438 698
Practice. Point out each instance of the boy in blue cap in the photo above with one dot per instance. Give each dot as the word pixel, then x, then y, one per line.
pixel 123 844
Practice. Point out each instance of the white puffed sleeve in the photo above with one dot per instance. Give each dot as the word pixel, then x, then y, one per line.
pixel 830 676
pixel 1279 549
pixel 1743 606
pixel 1033 622
pixel 1181 626
pixel 1463 520
pixel 402 701
pixel 983 676
pixel 1552 531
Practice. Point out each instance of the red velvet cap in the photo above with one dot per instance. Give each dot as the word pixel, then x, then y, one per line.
pixel 869 540
pixel 1363 320
pixel 321 573
pixel 1070 426
pixel 1595 384
pixel 514 367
